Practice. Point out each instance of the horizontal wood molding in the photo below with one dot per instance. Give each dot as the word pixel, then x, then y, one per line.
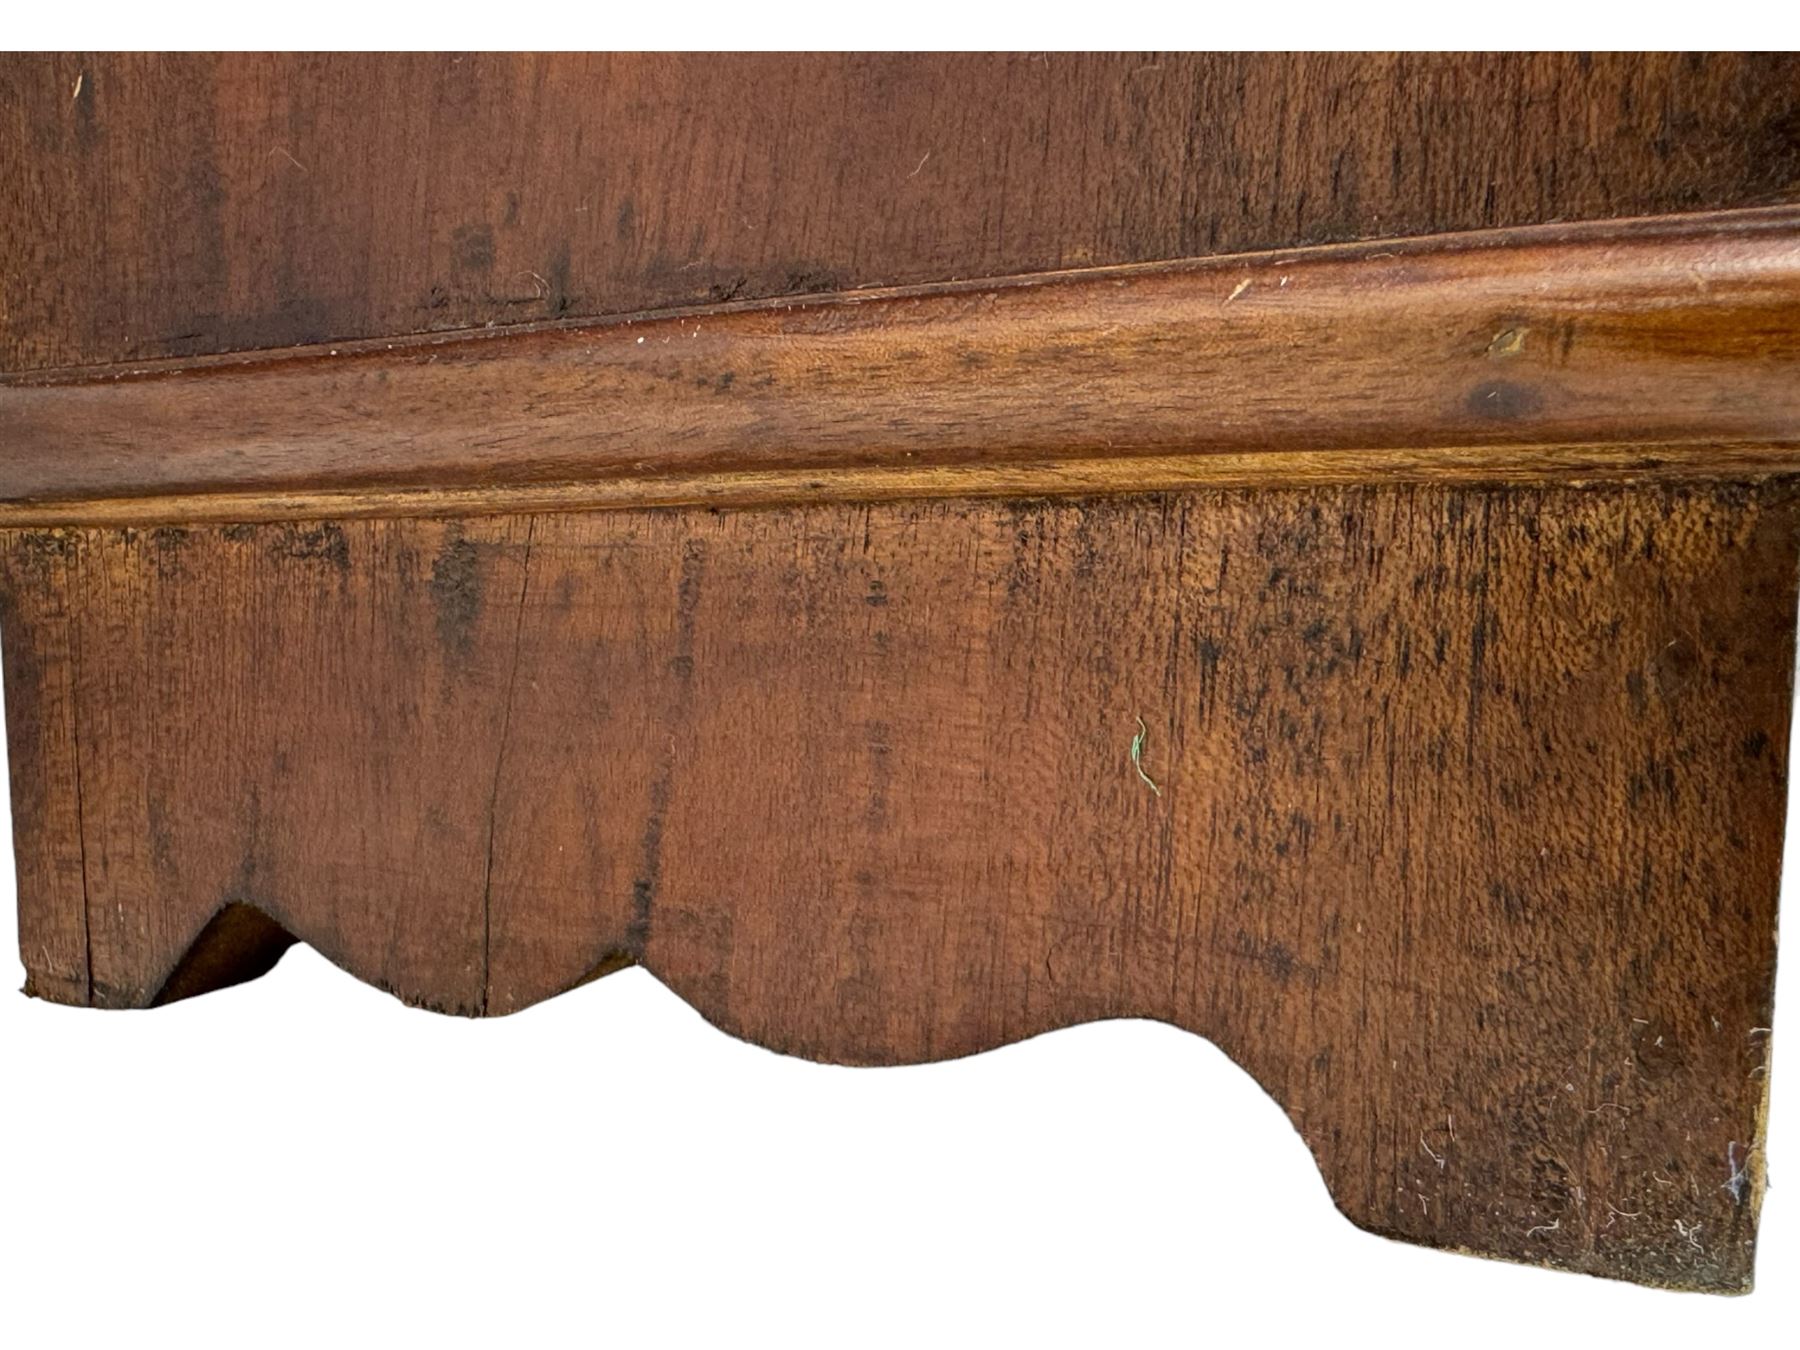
pixel 1626 349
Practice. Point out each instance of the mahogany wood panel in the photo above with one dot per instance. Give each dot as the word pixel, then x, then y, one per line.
pixel 1458 821
pixel 1622 348
pixel 1426 749
pixel 173 205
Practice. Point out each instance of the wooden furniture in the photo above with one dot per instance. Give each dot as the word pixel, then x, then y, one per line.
pixel 792 523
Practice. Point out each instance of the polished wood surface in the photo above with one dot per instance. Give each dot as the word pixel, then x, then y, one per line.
pixel 1623 349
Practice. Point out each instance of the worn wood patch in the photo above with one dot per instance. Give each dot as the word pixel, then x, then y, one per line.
pixel 1452 814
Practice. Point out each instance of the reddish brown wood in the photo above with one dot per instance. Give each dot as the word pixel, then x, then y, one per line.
pixel 1479 355
pixel 1464 836
pixel 1426 750
pixel 174 205
pixel 49 865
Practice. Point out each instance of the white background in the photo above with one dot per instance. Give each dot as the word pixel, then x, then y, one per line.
pixel 303 1161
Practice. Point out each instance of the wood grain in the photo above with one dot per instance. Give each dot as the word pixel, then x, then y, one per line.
pixel 1464 836
pixel 171 205
pixel 41 584
pixel 1629 348
pixel 1426 749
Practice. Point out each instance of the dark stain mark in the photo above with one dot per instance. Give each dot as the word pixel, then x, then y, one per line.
pixel 681 666
pixel 1755 745
pixel 37 557
pixel 1504 401
pixel 456 591
pixel 881 772
pixel 1477 673
pixel 162 838
pixel 557 301
pixel 1673 668
pixel 625 223
pixel 1509 901
pixel 204 229
pixel 1774 152
pixel 318 543
pixel 1551 1186
pixel 1656 1049
pixel 511 214
pixel 1279 961
pixel 44 546
pixel 812 281
pixel 1656 777
pixel 643 891
pixel 472 248
pixel 1272 956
